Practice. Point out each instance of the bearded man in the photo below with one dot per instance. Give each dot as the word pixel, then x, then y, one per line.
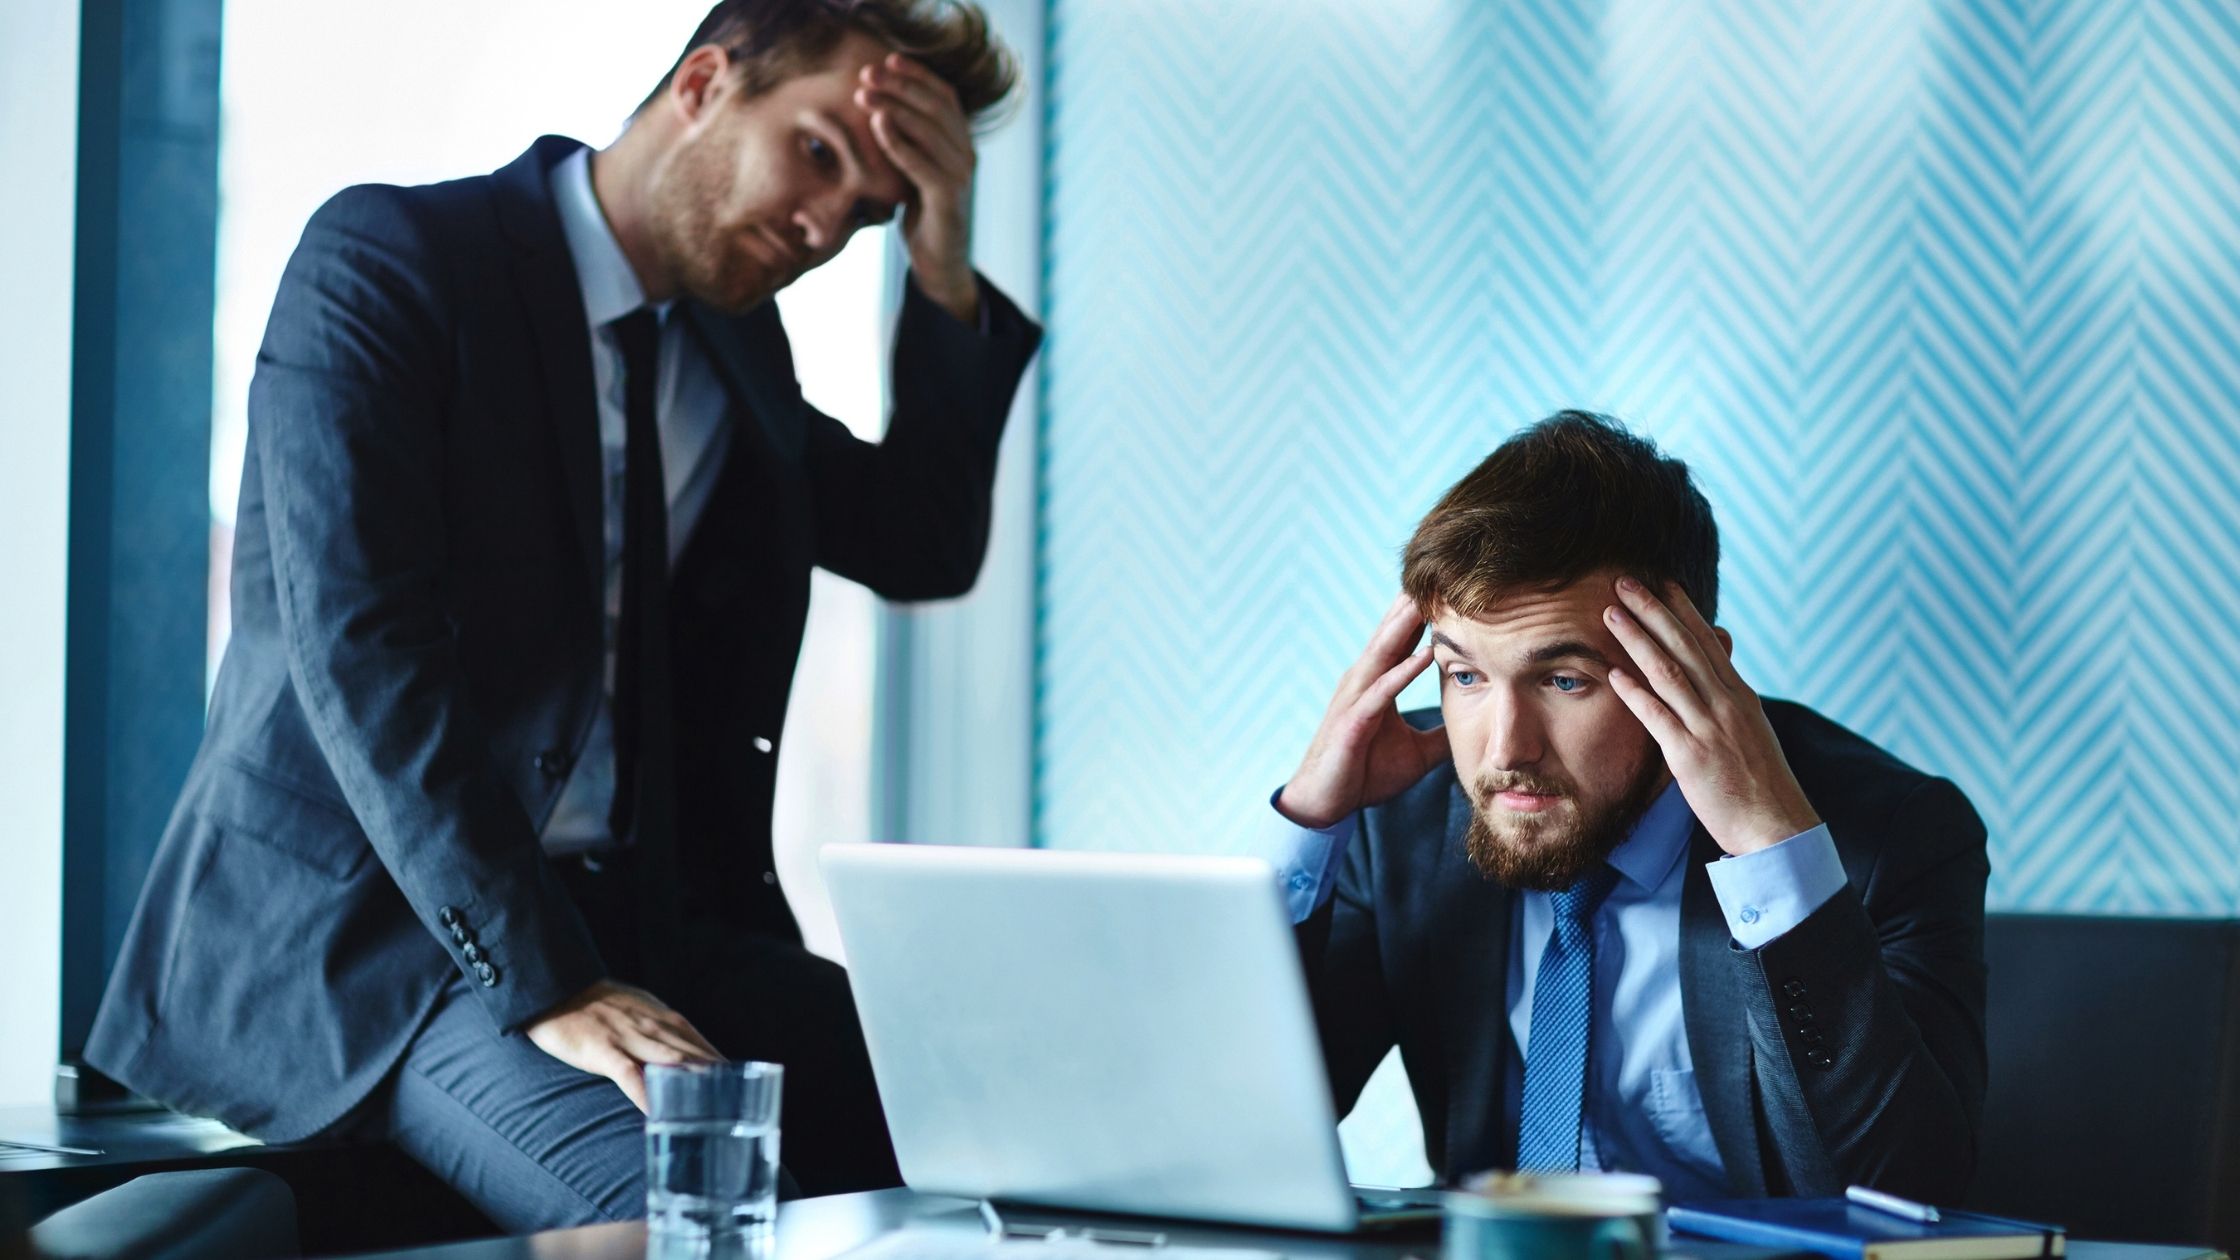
pixel 1618 912
pixel 480 826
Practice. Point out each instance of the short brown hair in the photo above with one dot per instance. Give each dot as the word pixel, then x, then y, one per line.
pixel 1572 495
pixel 771 41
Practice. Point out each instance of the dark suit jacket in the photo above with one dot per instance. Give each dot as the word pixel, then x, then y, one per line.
pixel 1413 949
pixel 416 655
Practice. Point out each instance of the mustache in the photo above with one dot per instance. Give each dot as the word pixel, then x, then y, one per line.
pixel 1493 782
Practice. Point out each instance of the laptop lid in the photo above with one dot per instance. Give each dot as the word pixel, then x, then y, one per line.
pixel 1098 1031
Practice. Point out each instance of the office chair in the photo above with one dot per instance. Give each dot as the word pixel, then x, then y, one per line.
pixel 2114 1105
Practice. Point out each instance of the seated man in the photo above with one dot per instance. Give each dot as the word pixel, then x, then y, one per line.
pixel 1617 912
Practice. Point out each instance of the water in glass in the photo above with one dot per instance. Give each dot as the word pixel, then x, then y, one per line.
pixel 711 1176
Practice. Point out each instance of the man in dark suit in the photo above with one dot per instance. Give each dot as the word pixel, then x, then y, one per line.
pixel 1617 912
pixel 480 826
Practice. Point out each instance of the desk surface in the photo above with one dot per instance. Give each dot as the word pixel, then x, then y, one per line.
pixel 822 1229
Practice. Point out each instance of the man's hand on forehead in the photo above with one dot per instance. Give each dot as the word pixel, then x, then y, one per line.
pixel 922 129
pixel 1683 687
pixel 1365 753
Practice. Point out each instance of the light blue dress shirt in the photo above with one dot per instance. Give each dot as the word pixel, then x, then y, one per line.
pixel 691 413
pixel 1643 1112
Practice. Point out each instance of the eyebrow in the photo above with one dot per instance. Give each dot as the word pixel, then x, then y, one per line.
pixel 1441 640
pixel 1567 650
pixel 865 210
pixel 1564 650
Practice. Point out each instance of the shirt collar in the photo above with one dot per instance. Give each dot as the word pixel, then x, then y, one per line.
pixel 1648 855
pixel 610 288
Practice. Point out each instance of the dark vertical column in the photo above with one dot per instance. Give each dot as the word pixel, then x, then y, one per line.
pixel 140 460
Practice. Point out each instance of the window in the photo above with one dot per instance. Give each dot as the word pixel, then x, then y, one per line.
pixel 319 97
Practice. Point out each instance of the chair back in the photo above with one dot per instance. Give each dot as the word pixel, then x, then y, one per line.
pixel 2114 1105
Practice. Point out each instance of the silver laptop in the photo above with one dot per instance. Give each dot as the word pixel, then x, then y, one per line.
pixel 1103 1032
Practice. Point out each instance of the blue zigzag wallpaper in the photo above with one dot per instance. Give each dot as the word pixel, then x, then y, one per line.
pixel 1941 300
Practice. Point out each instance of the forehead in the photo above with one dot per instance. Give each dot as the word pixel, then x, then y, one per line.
pixel 828 88
pixel 1524 621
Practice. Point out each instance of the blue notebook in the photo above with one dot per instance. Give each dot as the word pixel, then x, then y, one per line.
pixel 1840 1228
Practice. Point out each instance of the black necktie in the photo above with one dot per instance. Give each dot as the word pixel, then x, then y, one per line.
pixel 644 759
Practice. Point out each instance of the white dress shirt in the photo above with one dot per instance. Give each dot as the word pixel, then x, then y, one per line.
pixel 692 413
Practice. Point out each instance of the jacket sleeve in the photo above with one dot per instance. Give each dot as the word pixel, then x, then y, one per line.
pixel 347 411
pixel 1345 975
pixel 908 516
pixel 1867 1019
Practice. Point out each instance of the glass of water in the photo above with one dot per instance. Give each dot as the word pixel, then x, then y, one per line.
pixel 712 1148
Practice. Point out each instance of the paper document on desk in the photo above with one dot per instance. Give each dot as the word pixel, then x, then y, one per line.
pixel 944 1245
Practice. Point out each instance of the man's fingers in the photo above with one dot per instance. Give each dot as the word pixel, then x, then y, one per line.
pixel 1395 680
pixel 1706 637
pixel 627 1073
pixel 653 1018
pixel 1661 669
pixel 1693 655
pixel 1663 726
pixel 900 69
pixel 913 161
pixel 678 1047
pixel 1390 642
pixel 950 161
pixel 926 94
pixel 681 1029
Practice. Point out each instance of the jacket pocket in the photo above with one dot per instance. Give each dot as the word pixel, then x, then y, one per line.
pixel 320 833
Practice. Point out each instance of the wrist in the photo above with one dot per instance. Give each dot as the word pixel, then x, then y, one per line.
pixel 957 292
pixel 1765 835
pixel 1306 814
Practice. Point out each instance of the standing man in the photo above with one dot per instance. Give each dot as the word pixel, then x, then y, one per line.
pixel 481 822
pixel 1617 912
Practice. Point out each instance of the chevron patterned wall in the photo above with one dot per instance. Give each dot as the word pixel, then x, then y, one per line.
pixel 1941 300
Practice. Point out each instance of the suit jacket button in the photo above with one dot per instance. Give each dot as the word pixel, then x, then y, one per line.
pixel 1801 1013
pixel 472 953
pixel 460 935
pixel 762 744
pixel 770 878
pixel 1794 988
pixel 487 974
pixel 552 763
pixel 447 917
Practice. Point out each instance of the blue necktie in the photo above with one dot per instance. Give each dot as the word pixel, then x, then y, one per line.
pixel 1555 1067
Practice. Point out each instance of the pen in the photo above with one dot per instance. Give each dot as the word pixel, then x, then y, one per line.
pixel 1895 1206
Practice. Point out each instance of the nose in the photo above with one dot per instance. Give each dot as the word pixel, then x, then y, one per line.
pixel 824 223
pixel 1513 739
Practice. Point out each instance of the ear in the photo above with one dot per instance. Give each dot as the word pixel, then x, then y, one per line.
pixel 1726 640
pixel 699 81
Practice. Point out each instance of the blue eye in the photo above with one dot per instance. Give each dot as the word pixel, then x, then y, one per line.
pixel 1462 677
pixel 821 153
pixel 1567 684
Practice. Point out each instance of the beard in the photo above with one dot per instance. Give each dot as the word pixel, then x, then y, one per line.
pixel 1544 853
pixel 700 254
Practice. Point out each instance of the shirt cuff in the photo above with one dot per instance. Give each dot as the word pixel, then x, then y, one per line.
pixel 1306 860
pixel 1766 893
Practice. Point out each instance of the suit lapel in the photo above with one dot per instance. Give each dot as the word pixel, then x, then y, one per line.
pixel 545 277
pixel 1712 1002
pixel 1473 937
pixel 771 407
